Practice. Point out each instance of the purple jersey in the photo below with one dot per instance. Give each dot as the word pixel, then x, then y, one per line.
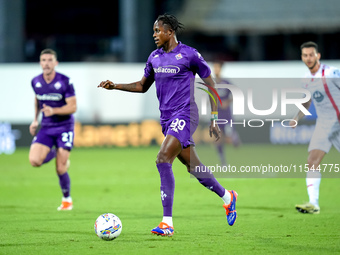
pixel 54 95
pixel 174 73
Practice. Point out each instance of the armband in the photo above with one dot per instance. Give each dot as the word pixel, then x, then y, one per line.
pixel 214 116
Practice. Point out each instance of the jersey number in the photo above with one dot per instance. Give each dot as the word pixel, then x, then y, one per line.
pixel 67 138
pixel 177 124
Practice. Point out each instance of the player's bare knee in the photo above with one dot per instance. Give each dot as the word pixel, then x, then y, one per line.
pixel 161 160
pixel 35 162
pixel 162 157
pixel 61 170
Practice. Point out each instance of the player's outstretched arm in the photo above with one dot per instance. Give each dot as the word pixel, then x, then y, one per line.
pixel 214 128
pixel 300 114
pixel 139 87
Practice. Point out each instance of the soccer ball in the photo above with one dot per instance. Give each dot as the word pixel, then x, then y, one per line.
pixel 108 226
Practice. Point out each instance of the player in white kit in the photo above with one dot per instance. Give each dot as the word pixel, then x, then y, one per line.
pixel 323 82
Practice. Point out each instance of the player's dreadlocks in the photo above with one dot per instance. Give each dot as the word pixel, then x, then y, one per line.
pixel 171 21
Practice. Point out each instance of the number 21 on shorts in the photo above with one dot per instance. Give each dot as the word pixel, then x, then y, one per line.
pixel 67 138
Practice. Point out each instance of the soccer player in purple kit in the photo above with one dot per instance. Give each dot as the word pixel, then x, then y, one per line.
pixel 228 135
pixel 55 98
pixel 173 66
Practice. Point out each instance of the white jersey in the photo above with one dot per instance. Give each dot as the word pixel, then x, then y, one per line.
pixel 324 87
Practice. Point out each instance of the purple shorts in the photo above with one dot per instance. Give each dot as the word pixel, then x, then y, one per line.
pixel 60 137
pixel 182 128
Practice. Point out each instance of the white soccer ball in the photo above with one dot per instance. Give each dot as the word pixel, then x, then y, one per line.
pixel 108 226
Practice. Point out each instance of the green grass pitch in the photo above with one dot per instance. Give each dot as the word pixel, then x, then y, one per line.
pixel 125 181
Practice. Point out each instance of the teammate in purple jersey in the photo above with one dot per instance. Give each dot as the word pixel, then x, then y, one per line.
pixel 55 98
pixel 228 135
pixel 173 67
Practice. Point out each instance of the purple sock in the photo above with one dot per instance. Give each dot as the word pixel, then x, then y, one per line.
pixel 220 149
pixel 167 187
pixel 51 155
pixel 64 181
pixel 208 180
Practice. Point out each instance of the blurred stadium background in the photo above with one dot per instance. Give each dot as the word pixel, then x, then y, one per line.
pixel 102 40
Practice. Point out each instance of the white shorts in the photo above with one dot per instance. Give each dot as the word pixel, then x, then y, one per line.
pixel 324 136
pixel 335 136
